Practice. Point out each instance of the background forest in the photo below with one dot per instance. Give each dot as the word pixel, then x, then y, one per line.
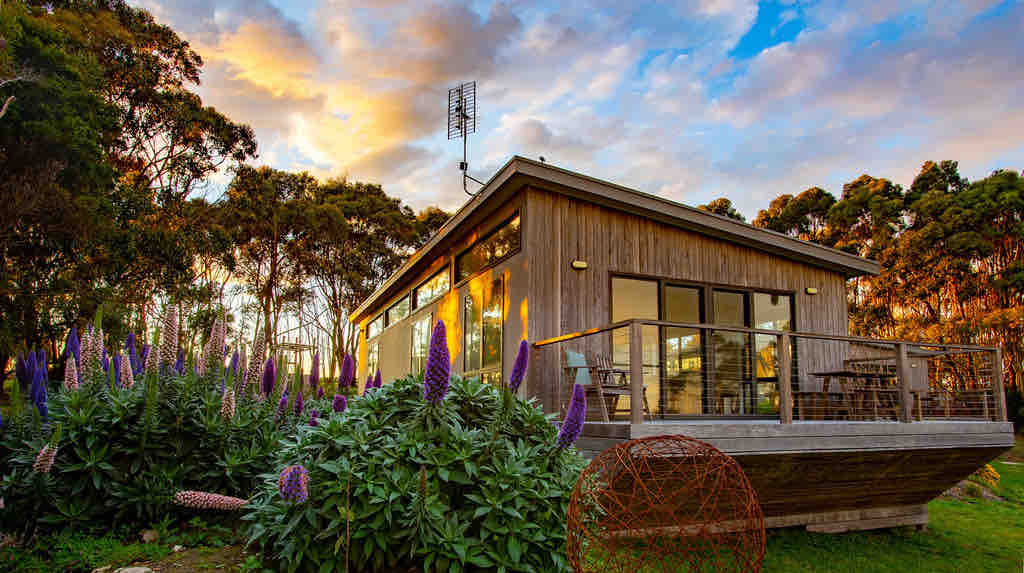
pixel 112 196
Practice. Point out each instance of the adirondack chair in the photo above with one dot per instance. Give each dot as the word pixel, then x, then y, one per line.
pixel 595 377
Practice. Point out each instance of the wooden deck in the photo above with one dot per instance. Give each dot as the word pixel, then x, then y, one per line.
pixel 836 476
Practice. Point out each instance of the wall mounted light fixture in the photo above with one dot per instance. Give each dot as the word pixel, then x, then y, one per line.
pixel 579 265
pixel 811 290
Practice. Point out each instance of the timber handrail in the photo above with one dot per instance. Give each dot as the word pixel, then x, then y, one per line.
pixel 784 340
pixel 793 333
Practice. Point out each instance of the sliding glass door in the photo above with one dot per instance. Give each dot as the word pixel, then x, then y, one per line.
pixel 693 372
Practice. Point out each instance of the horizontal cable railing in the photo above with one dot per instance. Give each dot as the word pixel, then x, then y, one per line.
pixel 641 370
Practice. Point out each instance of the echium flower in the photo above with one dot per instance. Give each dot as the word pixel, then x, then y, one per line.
pixel 519 366
pixel 313 418
pixel 37 393
pixel 21 372
pixel 438 371
pixel 573 423
pixel 168 340
pixel 252 375
pixel 227 404
pixel 368 386
pixel 132 354
pixel 44 459
pixel 115 363
pixel 339 403
pixel 70 374
pixel 299 403
pixel 74 346
pixel 91 365
pixel 105 361
pixel 377 380
pixel 127 378
pixel 179 363
pixel 145 359
pixel 314 372
pixel 204 500
pixel 41 363
pixel 348 373
pixel 294 484
pixel 152 358
pixel 282 407
pixel 269 375
pixel 234 364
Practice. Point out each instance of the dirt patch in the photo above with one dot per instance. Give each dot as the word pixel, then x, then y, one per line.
pixel 202 560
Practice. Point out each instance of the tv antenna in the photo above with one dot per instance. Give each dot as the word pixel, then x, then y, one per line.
pixel 462 122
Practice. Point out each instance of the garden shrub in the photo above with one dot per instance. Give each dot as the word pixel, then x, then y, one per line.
pixel 123 452
pixel 474 481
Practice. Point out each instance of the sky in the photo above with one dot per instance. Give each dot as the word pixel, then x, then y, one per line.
pixel 690 100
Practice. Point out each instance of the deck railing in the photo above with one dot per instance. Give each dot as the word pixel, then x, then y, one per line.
pixel 675 370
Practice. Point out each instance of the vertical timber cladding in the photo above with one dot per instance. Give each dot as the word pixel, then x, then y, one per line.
pixel 395 342
pixel 562 229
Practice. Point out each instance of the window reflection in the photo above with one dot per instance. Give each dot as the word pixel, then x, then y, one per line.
pixel 421 330
pixel 482 327
pixel 489 250
pixel 435 286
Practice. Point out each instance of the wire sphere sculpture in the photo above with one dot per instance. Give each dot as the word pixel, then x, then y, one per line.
pixel 664 503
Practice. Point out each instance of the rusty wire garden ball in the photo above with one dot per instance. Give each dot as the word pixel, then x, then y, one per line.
pixel 661 504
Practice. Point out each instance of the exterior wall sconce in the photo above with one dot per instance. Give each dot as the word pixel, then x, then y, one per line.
pixel 811 290
pixel 578 265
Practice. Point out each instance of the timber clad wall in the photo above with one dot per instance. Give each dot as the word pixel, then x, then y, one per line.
pixel 562 228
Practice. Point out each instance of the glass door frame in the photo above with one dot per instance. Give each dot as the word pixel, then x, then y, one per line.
pixel 707 353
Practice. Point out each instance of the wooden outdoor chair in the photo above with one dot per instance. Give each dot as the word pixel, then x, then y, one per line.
pixel 593 376
pixel 616 381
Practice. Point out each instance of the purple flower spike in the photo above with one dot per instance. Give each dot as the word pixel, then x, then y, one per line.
pixel 519 366
pixel 74 345
pixel 37 392
pixel 368 386
pixel 117 369
pixel 234 364
pixel 573 424
pixel 179 363
pixel 314 373
pixel 339 403
pixel 299 403
pixel 142 360
pixel 282 406
pixel 348 373
pixel 129 348
pixel 377 381
pixel 105 361
pixel 21 371
pixel 294 484
pixel 269 375
pixel 41 363
pixel 439 365
pixel 313 418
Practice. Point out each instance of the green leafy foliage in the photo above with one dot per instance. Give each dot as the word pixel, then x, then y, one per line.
pixel 125 452
pixel 473 484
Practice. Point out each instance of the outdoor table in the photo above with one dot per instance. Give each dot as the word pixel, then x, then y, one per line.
pixel 876 388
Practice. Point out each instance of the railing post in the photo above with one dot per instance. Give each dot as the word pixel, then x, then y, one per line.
pixel 997 385
pixel 903 368
pixel 636 373
pixel 784 349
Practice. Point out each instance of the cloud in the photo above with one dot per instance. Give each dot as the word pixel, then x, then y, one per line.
pixel 644 94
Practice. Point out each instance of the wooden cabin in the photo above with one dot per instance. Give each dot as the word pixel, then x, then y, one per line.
pixel 679 321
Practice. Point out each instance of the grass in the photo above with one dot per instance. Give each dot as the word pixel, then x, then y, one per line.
pixel 77 552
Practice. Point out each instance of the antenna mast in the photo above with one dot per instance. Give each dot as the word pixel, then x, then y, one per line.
pixel 462 122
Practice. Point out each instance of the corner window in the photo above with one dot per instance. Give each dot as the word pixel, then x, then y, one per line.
pixel 490 250
pixel 372 358
pixel 397 311
pixel 421 330
pixel 482 328
pixel 435 286
pixel 375 327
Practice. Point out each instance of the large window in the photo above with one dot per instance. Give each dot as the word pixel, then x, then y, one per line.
pixel 375 327
pixel 372 357
pixel 482 330
pixel 398 311
pixel 435 286
pixel 421 330
pixel 501 243
pixel 691 371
